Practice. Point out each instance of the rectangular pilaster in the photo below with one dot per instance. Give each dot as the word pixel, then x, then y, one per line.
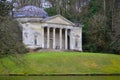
pixel 43 37
pixel 54 40
pixel 48 37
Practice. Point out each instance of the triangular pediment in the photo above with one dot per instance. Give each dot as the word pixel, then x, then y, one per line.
pixel 58 19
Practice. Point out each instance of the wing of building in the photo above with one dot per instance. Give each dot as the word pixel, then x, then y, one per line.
pixel 41 31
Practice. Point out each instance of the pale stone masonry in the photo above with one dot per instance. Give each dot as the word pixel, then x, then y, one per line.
pixel 55 32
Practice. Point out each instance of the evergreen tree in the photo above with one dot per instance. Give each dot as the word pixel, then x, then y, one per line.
pixel 5 7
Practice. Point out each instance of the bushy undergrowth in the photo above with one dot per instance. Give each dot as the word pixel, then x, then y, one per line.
pixel 10 37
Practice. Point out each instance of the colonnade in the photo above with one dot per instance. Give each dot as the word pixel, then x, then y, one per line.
pixel 54 37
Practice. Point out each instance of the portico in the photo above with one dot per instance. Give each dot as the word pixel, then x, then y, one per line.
pixel 56 36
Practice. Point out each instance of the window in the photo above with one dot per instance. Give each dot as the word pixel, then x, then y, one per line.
pixel 35 41
pixel 36 38
pixel 76 43
pixel 26 35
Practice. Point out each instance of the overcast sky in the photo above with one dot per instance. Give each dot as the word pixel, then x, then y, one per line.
pixel 9 0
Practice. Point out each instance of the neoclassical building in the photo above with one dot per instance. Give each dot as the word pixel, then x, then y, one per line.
pixel 41 31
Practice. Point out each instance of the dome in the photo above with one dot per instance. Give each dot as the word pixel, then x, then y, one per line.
pixel 30 11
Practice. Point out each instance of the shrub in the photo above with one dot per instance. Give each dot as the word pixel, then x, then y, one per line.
pixel 10 37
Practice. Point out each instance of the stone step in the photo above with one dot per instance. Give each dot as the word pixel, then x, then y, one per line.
pixel 50 50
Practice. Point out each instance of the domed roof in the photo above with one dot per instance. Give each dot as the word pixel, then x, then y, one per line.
pixel 30 11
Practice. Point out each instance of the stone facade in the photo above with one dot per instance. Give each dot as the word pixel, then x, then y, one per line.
pixel 54 32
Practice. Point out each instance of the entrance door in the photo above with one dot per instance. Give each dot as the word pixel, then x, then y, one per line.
pixel 51 43
pixel 68 42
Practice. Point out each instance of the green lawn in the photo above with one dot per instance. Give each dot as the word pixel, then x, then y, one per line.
pixel 60 78
pixel 60 63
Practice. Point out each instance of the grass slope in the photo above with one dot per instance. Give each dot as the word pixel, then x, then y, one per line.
pixel 60 63
pixel 60 78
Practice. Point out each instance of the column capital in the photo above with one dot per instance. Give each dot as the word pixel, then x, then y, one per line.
pixel 66 28
pixel 61 28
pixel 48 27
pixel 54 27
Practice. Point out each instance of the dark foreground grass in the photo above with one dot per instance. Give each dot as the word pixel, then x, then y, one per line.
pixel 61 63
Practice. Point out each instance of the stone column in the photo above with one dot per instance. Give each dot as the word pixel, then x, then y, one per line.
pixel 66 39
pixel 71 39
pixel 43 37
pixel 48 37
pixel 60 38
pixel 54 40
